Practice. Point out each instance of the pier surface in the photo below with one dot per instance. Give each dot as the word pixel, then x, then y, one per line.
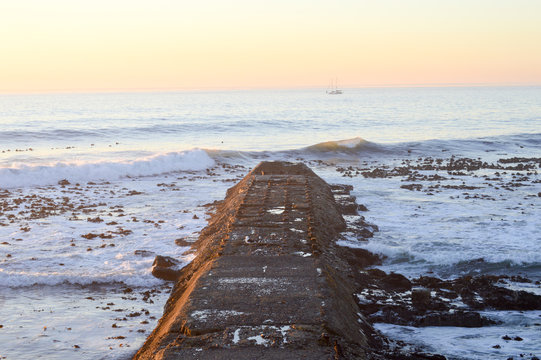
pixel 267 281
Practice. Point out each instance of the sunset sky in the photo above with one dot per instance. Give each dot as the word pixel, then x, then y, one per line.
pixel 75 45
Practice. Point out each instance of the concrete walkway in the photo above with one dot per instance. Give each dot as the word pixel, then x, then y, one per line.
pixel 268 281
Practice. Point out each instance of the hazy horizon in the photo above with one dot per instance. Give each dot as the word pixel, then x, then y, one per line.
pixel 63 46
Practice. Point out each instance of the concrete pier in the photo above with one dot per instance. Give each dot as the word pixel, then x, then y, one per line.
pixel 268 281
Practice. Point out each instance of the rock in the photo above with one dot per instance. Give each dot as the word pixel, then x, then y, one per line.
pixel 341 189
pixel 166 268
pixel 167 274
pixel 412 187
pixel 144 253
pixel 420 297
pixel 469 319
pixel 361 207
pixel 347 204
pixel 64 182
pixel 361 228
pixel 396 282
pixel 425 356
pixel 361 258
pixel 183 242
pixel 164 261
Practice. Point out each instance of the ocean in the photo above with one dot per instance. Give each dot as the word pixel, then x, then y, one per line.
pixel 94 186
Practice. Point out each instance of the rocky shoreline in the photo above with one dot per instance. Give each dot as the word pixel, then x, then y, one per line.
pixel 353 294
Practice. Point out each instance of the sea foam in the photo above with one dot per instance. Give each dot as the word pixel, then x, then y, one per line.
pixel 20 175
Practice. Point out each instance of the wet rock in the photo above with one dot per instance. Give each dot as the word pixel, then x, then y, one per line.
pixel 467 319
pixel 397 282
pixel 361 207
pixel 347 205
pixel 183 242
pixel 412 187
pixel 420 297
pixel 341 189
pixel 361 258
pixel 144 253
pixel 482 292
pixel 166 268
pixel 361 228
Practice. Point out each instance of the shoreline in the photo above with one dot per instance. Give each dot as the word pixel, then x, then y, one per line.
pixel 361 190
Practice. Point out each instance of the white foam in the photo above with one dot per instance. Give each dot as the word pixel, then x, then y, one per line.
pixel 236 336
pixel 474 343
pixel 22 175
pixel 259 340
pixel 54 251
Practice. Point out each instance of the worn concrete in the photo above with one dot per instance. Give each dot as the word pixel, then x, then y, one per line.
pixel 268 281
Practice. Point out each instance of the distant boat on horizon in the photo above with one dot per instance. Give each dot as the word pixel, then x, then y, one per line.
pixel 333 88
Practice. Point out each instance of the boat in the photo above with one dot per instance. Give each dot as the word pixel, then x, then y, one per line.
pixel 333 88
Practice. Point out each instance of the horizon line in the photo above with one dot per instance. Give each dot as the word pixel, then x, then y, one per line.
pixel 256 88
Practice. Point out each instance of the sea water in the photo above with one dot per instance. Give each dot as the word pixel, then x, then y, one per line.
pixel 93 186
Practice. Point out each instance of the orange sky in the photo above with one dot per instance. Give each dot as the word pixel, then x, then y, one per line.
pixel 61 45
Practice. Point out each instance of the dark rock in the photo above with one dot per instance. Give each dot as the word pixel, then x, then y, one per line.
pixel 166 268
pixel 361 207
pixel 164 261
pixel 412 187
pixel 362 228
pixel 341 189
pixel 420 298
pixel 183 242
pixel 347 204
pixel 361 258
pixel 144 253
pixel 64 182
pixel 396 282
pixel 167 274
pixel 425 356
pixel 467 319
pixel 429 282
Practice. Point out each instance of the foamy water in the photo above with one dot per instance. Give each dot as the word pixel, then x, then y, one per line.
pixel 141 167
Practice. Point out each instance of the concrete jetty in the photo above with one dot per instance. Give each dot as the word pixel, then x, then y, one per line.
pixel 268 281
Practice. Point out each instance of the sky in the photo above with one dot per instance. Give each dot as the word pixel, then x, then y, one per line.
pixel 110 45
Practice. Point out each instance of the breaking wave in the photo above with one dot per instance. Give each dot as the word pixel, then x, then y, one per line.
pixel 493 144
pixel 353 145
pixel 20 175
